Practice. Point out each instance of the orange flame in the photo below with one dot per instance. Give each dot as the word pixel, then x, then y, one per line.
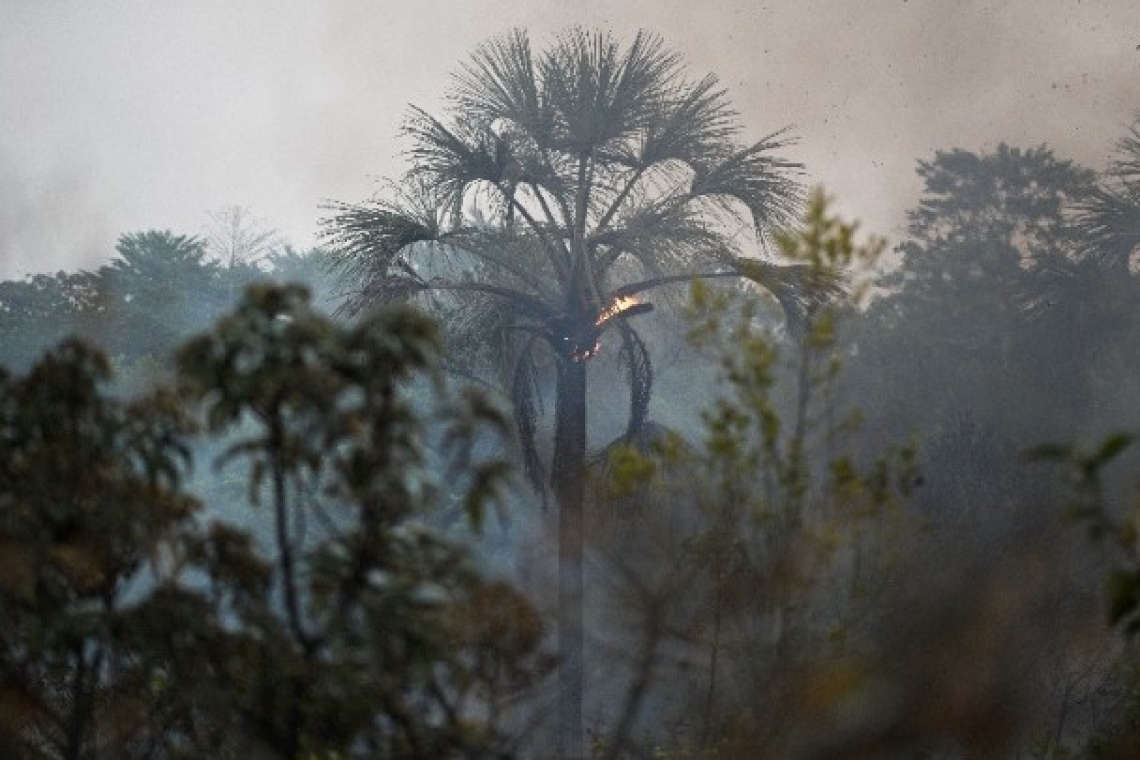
pixel 620 304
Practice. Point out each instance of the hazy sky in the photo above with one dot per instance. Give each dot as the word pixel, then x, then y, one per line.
pixel 120 116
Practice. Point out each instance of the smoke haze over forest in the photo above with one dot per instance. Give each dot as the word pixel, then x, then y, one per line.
pixel 120 116
pixel 584 439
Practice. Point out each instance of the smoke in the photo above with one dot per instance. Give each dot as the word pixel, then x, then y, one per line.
pixel 37 219
pixel 138 115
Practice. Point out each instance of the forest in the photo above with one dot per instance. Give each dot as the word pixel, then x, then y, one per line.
pixel 599 434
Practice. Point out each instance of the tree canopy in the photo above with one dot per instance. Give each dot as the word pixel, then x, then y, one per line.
pixel 560 185
pixel 136 627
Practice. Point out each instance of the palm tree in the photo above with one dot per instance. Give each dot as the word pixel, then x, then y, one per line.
pixel 1108 222
pixel 563 188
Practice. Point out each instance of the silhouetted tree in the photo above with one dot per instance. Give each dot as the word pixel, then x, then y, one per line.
pixel 961 305
pixel 235 237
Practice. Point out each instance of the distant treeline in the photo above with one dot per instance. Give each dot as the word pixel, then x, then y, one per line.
pixel 158 288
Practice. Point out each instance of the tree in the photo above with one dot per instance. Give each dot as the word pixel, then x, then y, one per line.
pixel 235 237
pixel 563 187
pixel 735 550
pixel 309 268
pixel 40 310
pixel 241 244
pixel 1096 288
pixel 159 289
pixel 93 522
pixel 134 630
pixel 1109 220
pixel 358 632
pixel 773 591
pixel 965 304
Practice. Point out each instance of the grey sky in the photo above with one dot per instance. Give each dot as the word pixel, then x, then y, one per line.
pixel 118 116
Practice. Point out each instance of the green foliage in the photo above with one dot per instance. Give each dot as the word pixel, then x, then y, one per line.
pixel 136 631
pixel 92 519
pixel 1115 529
pixel 158 289
pixel 783 593
pixel 745 557
pixel 323 420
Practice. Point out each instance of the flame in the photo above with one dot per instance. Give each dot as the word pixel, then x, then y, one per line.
pixel 620 304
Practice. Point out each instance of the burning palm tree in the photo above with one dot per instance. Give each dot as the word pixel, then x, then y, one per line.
pixel 562 189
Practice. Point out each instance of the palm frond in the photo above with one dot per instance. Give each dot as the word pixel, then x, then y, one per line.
pixel 801 289
pixel 368 242
pixel 387 250
pixel 508 257
pixel 552 172
pixel 662 236
pixel 765 183
pixel 693 126
pixel 1107 226
pixel 1125 167
pixel 599 96
pixel 1057 284
pixel 500 83
pixel 1107 222
pixel 449 160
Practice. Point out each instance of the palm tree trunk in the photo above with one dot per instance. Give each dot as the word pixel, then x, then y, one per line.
pixel 568 481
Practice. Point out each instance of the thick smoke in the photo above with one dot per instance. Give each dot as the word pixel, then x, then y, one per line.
pixel 124 115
